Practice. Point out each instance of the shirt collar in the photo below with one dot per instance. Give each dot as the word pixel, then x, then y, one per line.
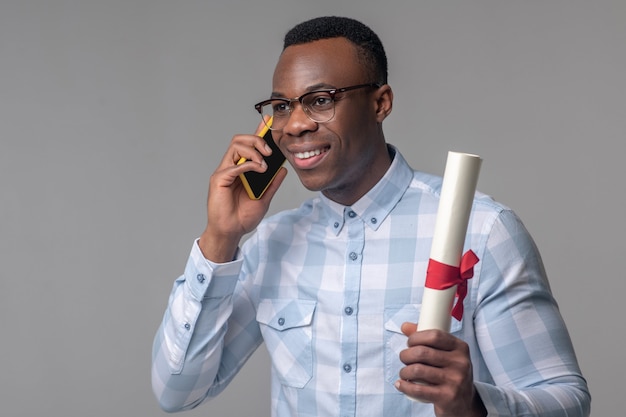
pixel 374 207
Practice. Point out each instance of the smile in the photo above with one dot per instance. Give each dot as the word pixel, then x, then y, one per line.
pixel 309 154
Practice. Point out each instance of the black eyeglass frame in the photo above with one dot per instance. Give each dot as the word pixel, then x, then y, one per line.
pixel 332 92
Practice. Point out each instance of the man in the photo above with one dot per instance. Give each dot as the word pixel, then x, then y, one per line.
pixel 334 288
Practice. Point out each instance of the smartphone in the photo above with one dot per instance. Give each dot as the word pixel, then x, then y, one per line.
pixel 256 183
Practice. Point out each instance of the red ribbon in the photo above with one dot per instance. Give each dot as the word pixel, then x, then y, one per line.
pixel 440 276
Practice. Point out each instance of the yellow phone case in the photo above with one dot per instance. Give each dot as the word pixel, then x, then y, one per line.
pixel 256 183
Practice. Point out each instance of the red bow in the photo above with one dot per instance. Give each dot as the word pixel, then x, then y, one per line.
pixel 440 276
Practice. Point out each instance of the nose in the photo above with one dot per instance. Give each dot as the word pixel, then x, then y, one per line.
pixel 298 121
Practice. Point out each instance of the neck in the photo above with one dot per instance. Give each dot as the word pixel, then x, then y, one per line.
pixel 349 193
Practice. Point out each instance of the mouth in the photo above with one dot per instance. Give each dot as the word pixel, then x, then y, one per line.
pixel 310 154
pixel 309 158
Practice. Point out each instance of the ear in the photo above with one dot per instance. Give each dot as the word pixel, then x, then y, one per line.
pixel 384 102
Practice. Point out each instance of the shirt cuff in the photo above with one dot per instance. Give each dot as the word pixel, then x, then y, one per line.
pixel 493 399
pixel 206 279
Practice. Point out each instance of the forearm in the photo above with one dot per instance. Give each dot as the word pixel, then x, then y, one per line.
pixel 528 365
pixel 187 352
pixel 535 375
pixel 182 383
pixel 564 397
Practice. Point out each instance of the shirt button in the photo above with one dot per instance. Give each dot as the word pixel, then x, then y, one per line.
pixel 281 321
pixel 347 368
pixel 187 326
pixel 353 256
pixel 336 225
pixel 348 311
pixel 374 220
pixel 200 278
pixel 351 214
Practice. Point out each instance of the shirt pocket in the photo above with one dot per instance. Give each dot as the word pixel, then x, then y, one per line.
pixel 395 340
pixel 287 332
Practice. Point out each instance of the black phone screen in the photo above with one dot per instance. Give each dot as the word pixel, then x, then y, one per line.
pixel 259 181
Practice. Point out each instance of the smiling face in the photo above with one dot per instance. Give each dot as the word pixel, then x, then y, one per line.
pixel 346 156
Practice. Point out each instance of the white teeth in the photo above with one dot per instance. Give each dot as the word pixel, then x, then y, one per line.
pixel 308 154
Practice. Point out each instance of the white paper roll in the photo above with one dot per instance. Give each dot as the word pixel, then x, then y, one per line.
pixel 457 194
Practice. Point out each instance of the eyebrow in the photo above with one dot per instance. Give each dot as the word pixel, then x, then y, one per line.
pixel 314 87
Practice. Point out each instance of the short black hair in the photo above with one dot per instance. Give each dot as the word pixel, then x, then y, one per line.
pixel 368 43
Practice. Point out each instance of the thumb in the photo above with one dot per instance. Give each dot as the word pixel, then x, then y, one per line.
pixel 408 328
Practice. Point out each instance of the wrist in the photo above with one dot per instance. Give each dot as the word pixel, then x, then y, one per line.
pixel 218 249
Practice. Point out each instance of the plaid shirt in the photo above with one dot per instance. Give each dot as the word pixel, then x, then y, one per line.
pixel 326 288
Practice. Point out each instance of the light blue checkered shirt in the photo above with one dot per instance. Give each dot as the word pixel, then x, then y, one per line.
pixel 326 287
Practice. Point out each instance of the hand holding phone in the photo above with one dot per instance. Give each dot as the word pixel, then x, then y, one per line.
pixel 256 183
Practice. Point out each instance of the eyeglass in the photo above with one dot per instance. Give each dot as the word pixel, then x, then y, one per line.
pixel 318 105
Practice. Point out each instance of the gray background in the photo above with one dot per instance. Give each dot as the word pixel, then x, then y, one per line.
pixel 113 115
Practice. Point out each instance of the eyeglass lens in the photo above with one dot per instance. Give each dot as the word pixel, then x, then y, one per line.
pixel 319 106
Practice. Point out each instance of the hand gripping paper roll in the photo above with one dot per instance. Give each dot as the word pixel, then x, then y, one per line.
pixel 448 269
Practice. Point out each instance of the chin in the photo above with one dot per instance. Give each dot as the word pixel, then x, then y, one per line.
pixel 313 187
pixel 312 184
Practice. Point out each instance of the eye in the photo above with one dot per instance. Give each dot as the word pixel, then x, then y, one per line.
pixel 320 101
pixel 280 108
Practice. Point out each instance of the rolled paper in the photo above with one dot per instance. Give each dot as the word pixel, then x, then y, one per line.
pixel 445 273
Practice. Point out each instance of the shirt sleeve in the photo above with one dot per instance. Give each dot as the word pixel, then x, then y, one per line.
pixel 200 344
pixel 521 335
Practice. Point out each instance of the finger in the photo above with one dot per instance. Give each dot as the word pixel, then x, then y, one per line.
pixel 252 165
pixel 421 354
pixel 246 166
pixel 227 175
pixel 261 130
pixel 422 372
pixel 408 328
pixel 245 148
pixel 436 339
pixel 420 392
